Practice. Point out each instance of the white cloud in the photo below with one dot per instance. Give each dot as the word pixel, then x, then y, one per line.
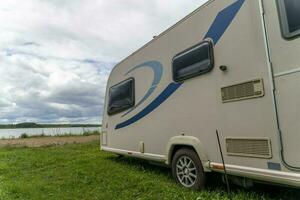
pixel 55 55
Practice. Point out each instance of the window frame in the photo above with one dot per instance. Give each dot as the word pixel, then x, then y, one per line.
pixel 211 56
pixel 133 97
pixel 283 20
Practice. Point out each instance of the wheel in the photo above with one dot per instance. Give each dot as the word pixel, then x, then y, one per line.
pixel 187 169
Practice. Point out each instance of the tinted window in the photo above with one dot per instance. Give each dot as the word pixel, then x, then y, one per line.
pixel 290 17
pixel 193 62
pixel 121 97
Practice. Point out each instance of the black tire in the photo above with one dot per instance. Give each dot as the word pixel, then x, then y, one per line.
pixel 188 176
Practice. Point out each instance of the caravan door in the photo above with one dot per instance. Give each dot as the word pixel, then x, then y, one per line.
pixel 282 18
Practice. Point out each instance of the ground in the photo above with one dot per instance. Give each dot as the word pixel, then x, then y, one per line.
pixel 48 141
pixel 82 171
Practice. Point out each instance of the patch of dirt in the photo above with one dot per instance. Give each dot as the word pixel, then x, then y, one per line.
pixel 47 141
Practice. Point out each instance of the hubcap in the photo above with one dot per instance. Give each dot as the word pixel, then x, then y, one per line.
pixel 186 171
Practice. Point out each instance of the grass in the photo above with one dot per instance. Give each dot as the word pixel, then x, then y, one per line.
pixel 81 171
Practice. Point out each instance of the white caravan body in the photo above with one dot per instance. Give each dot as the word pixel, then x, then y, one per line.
pixel 247 88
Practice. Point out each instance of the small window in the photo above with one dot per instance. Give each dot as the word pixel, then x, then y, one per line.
pixel 289 11
pixel 193 62
pixel 121 97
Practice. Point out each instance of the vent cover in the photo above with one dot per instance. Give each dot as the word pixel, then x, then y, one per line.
pixel 241 91
pixel 250 147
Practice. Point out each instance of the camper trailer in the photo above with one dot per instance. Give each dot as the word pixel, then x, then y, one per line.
pixel 231 67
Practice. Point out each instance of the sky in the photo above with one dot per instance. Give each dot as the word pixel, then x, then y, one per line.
pixel 56 55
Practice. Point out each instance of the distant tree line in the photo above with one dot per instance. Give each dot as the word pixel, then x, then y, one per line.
pixel 35 125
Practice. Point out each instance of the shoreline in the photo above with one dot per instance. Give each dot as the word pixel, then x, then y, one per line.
pixel 26 135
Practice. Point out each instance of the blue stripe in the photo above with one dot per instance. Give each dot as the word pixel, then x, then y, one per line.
pixel 223 20
pixel 215 32
pixel 157 69
pixel 172 87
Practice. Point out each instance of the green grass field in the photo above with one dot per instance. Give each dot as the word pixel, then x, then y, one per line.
pixel 81 171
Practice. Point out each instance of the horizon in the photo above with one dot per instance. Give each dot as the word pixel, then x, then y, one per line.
pixel 52 123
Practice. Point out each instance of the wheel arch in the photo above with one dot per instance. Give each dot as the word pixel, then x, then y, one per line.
pixel 178 142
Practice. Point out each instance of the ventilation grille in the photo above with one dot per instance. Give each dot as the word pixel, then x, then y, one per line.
pixel 241 91
pixel 259 148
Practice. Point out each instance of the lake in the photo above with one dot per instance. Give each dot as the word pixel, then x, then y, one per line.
pixel 15 133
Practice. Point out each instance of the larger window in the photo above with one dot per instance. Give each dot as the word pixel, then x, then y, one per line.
pixel 121 97
pixel 193 62
pixel 289 11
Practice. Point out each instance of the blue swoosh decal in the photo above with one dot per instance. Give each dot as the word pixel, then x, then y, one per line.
pixel 223 20
pixel 215 32
pixel 172 87
pixel 157 70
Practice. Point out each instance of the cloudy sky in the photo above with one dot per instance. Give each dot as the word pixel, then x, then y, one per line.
pixel 56 55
